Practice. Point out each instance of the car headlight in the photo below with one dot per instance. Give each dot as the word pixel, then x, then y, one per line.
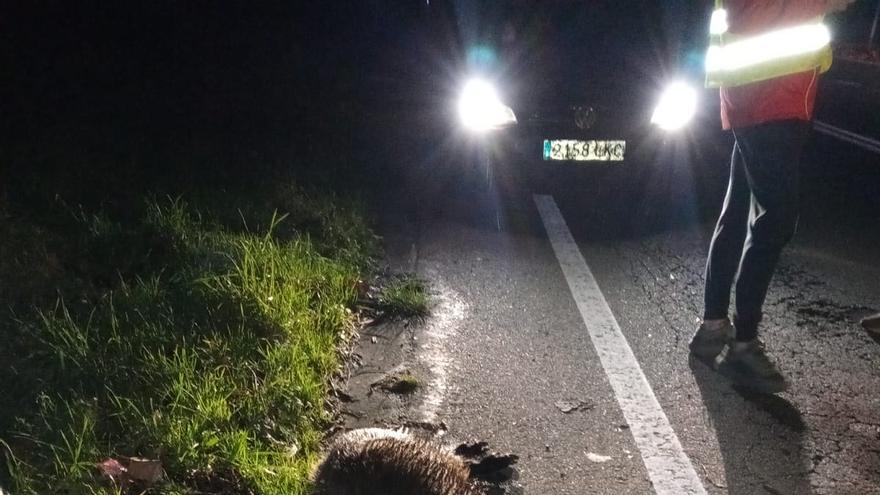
pixel 677 107
pixel 480 109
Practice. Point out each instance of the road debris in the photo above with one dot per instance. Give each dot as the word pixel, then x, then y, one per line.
pixel 872 323
pixel 112 469
pixel 403 383
pixel 148 471
pixel 598 458
pixel 822 310
pixel 570 406
pixel 132 471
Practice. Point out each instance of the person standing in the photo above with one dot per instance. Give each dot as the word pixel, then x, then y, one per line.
pixel 766 57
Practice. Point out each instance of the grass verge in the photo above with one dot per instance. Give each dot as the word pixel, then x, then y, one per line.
pixel 201 336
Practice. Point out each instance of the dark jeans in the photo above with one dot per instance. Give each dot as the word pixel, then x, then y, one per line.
pixel 758 219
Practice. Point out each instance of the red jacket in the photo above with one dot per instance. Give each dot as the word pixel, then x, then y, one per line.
pixel 787 97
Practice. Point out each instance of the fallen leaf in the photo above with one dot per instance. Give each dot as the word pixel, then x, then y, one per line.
pixel 568 406
pixel 112 469
pixel 148 471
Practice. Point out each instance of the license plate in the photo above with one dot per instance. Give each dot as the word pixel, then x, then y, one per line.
pixel 576 150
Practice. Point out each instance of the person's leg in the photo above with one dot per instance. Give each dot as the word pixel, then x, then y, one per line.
pixel 771 157
pixel 726 247
pixel 725 251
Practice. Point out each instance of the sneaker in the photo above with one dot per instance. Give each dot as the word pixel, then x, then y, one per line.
pixel 749 367
pixel 710 339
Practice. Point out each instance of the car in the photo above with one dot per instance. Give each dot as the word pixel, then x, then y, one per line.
pixel 569 97
pixel 848 103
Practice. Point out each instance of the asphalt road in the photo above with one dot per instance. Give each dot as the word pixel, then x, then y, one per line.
pixel 519 352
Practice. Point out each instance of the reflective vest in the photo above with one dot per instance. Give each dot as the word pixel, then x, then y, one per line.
pixel 738 60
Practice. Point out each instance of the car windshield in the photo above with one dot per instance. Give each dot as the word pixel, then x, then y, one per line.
pixel 564 49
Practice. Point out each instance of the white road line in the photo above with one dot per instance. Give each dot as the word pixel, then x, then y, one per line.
pixel 668 466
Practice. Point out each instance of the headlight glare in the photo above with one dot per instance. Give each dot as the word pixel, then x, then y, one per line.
pixel 480 109
pixel 677 107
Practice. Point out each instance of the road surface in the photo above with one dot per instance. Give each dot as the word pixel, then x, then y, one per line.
pixel 569 341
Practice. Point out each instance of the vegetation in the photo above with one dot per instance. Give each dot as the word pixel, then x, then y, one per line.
pixel 198 332
pixel 405 383
pixel 399 383
pixel 404 297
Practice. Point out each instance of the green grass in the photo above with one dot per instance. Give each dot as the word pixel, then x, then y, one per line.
pixel 404 383
pixel 404 297
pixel 200 335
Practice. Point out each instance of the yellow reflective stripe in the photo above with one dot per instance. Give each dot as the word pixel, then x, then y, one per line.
pixel 776 45
pixel 771 69
pixel 732 61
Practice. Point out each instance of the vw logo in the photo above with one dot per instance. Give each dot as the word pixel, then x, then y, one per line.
pixel 584 117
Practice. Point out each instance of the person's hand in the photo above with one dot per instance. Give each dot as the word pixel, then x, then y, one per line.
pixel 837 5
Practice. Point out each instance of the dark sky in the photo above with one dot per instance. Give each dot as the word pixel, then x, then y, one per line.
pixel 200 50
pixel 125 87
pixel 203 62
pixel 173 58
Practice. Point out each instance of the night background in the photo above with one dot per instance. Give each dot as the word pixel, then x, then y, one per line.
pixel 167 167
pixel 131 87
pixel 139 84
pixel 127 90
